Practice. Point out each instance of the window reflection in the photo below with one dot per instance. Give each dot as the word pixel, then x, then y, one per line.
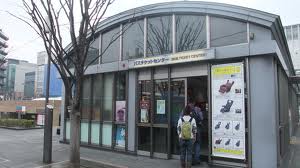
pixel 111 46
pixel 227 32
pixel 93 53
pixel 133 40
pixel 190 32
pixel 159 33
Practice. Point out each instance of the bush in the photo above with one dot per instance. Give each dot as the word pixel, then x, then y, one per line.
pixel 17 123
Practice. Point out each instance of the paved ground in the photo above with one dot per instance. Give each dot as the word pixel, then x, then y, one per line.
pixel 23 149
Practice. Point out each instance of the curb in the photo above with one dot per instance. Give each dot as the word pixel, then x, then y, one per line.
pixel 96 164
pixel 19 129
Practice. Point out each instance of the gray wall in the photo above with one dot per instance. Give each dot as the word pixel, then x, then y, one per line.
pixel 131 110
pixel 263 112
pixel 284 107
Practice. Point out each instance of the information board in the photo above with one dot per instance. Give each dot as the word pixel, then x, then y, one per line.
pixel 228 111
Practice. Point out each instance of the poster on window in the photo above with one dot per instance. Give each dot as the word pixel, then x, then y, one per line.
pixel 228 111
pixel 160 107
pixel 120 136
pixel 144 113
pixel 120 111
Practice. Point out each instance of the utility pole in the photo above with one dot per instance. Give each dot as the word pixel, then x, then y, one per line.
pixel 47 150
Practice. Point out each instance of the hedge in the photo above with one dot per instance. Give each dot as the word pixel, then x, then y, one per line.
pixel 17 123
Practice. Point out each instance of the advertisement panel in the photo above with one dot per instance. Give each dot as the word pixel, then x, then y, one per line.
pixel 228 111
pixel 120 111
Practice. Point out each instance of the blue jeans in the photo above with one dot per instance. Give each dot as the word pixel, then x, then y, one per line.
pixel 186 150
pixel 197 146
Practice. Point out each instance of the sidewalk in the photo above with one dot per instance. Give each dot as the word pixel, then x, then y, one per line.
pixel 93 158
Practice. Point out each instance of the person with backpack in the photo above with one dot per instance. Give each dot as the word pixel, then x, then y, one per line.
pixel 198 116
pixel 186 129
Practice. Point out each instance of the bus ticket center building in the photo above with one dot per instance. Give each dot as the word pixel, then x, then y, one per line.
pixel 233 61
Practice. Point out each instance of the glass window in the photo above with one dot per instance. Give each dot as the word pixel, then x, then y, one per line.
pixel 97 87
pixel 190 32
pixel 160 140
pixel 95 130
pixel 133 40
pixel 159 35
pixel 288 33
pixel 106 134
pixel 86 98
pixel 161 101
pixel 121 97
pixel 295 32
pixel 227 32
pixel 108 97
pixel 111 46
pixel 120 136
pixel 178 103
pixel 144 138
pixel 84 132
pixel 93 53
pixel 145 97
pixel 121 86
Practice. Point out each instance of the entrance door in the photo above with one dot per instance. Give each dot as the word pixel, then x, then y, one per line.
pixel 183 91
pixel 178 97
pixel 197 93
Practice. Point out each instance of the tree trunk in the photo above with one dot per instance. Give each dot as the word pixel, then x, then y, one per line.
pixel 75 136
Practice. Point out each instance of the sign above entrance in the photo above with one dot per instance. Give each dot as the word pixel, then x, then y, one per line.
pixel 189 56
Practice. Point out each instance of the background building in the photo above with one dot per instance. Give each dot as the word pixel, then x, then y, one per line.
pixel 29 85
pixel 3 45
pixel 292 33
pixel 15 77
pixel 41 77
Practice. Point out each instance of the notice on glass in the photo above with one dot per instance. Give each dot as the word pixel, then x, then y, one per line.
pixel 144 116
pixel 160 107
pixel 228 111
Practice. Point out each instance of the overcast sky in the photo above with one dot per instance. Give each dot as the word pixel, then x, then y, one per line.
pixel 24 42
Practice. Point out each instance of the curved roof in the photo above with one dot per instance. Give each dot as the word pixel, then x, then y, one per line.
pixel 268 20
pixel 264 19
pixel 210 8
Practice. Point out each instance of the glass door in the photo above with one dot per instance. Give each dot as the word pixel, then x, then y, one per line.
pixel 178 102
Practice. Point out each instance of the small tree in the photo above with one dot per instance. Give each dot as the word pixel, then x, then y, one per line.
pixel 45 19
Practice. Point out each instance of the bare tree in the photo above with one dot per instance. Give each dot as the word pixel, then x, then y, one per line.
pixel 45 17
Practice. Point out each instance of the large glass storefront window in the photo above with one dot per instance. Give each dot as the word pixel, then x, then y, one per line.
pixel 96 109
pixel 121 110
pixel 110 46
pixel 133 40
pixel 159 35
pixel 227 32
pixel 97 87
pixel 86 98
pixel 190 32
pixel 161 101
pixel 108 97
